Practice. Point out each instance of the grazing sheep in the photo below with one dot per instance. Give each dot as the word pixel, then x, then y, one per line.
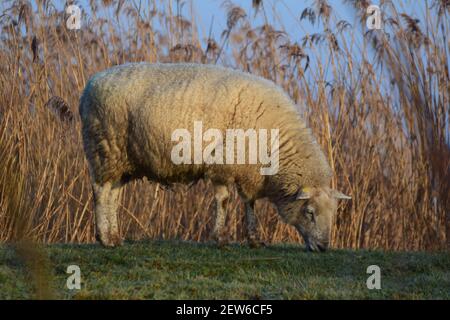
pixel 129 115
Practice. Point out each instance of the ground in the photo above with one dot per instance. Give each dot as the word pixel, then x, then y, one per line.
pixel 184 270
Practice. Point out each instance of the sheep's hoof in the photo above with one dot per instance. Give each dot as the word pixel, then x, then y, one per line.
pixel 254 244
pixel 110 242
pixel 220 240
pixel 222 243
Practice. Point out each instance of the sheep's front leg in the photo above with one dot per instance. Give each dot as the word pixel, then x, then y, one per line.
pixel 221 195
pixel 250 220
pixel 106 199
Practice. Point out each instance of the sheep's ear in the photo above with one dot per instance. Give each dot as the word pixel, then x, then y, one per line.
pixel 304 194
pixel 340 195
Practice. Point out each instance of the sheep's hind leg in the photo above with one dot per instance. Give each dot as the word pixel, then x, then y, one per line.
pixel 106 198
pixel 221 195
pixel 250 220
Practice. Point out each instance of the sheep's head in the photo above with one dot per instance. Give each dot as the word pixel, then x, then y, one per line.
pixel 312 214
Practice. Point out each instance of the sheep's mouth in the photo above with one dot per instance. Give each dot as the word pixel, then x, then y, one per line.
pixel 316 246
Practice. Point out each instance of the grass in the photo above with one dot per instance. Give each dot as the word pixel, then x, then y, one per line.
pixel 185 270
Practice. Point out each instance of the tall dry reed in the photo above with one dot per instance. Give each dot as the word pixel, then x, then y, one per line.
pixel 377 101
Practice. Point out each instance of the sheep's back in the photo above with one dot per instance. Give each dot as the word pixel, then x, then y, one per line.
pixel 138 107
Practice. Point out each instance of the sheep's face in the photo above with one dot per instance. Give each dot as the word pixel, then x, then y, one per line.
pixel 312 214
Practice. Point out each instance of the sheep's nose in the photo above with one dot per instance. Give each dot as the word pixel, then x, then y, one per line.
pixel 322 246
pixel 317 246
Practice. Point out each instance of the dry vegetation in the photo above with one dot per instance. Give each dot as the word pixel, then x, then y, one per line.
pixel 377 101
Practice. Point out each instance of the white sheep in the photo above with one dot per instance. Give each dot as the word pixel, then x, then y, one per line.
pixel 129 115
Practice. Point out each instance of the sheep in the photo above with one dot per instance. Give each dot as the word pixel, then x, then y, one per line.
pixel 130 112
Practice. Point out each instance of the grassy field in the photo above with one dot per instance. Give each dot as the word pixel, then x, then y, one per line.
pixel 183 270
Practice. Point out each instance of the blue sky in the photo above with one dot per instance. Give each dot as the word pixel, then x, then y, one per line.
pixel 282 14
pixel 287 13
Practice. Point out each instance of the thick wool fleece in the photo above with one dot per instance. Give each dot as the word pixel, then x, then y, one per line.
pixel 129 113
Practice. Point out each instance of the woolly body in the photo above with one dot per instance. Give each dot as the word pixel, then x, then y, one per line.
pixel 130 111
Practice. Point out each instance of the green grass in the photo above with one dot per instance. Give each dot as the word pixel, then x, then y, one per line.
pixel 182 270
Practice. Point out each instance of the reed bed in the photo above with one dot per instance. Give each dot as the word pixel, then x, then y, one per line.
pixel 377 101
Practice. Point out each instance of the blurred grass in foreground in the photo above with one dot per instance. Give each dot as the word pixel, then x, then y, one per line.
pixel 182 270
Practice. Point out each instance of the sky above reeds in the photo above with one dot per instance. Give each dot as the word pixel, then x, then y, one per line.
pixel 211 17
pixel 285 14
